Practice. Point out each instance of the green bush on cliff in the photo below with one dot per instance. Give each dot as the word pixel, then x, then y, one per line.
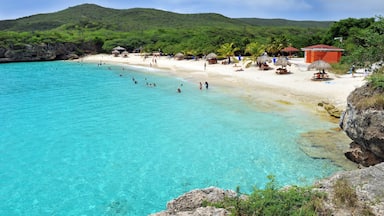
pixel 377 78
pixel 275 201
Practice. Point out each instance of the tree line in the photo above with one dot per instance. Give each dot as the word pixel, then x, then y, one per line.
pixel 362 39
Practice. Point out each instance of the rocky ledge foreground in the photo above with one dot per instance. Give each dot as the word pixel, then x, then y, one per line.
pixel 367 184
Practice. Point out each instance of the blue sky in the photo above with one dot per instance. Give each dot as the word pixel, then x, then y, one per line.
pixel 319 10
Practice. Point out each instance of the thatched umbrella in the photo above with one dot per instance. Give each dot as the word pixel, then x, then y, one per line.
pixel 319 65
pixel 290 50
pixel 283 62
pixel 179 56
pixel 125 53
pixel 115 53
pixel 212 58
pixel 264 58
pixel 119 48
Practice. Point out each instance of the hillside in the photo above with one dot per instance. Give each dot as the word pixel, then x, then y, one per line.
pixel 91 15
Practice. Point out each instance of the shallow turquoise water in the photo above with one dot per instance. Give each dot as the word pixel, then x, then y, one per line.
pixel 79 139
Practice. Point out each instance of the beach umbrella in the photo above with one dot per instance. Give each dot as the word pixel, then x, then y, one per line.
pixel 115 52
pixel 179 56
pixel 263 58
pixel 211 56
pixel 125 53
pixel 119 48
pixel 283 62
pixel 319 65
pixel 290 50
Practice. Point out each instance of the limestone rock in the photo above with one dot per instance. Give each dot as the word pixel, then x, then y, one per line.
pixel 361 156
pixel 367 183
pixel 191 203
pixel 46 52
pixel 365 126
pixel 331 109
pixel 201 211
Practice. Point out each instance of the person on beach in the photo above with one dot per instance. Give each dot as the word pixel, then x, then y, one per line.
pixel 201 86
pixel 206 84
pixel 205 65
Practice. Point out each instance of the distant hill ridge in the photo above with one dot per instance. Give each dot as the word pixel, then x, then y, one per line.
pixel 95 16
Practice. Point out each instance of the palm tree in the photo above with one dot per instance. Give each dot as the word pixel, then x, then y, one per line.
pixel 255 50
pixel 276 44
pixel 228 51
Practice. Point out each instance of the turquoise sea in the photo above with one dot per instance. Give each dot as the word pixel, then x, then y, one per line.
pixel 84 139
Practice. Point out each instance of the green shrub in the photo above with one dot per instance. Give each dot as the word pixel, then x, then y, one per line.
pixel 377 80
pixel 275 201
pixel 340 68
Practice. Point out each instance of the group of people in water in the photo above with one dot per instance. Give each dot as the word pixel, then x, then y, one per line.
pixel 150 84
pixel 178 89
pixel 200 86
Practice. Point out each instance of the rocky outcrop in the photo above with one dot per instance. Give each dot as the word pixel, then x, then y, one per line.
pixel 45 51
pixel 362 192
pixel 191 203
pixel 331 109
pixel 367 192
pixel 363 122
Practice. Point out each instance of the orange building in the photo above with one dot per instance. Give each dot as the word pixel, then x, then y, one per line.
pixel 323 52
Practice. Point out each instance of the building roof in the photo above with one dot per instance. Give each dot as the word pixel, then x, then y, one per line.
pixel 322 47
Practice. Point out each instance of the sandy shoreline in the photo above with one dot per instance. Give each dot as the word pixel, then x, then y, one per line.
pixel 296 87
pixel 266 89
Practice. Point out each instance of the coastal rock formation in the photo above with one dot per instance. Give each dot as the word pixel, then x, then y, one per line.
pixel 363 122
pixel 366 195
pixel 191 203
pixel 45 51
pixel 331 109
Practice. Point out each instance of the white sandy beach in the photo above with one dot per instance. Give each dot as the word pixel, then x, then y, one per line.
pixel 251 82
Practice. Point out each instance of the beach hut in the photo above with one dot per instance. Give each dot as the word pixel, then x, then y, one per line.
pixel 212 58
pixel 323 52
pixel 179 56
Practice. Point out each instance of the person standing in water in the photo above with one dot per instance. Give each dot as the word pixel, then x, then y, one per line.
pixel 206 84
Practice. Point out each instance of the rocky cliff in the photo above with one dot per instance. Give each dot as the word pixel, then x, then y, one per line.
pixel 363 122
pixel 45 51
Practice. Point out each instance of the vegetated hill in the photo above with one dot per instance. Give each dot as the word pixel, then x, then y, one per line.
pixel 284 22
pixel 94 16
pixel 86 15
